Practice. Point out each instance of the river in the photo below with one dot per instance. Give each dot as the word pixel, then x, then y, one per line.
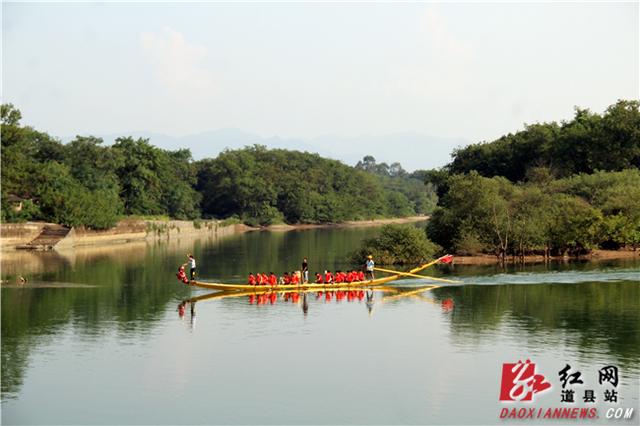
pixel 99 337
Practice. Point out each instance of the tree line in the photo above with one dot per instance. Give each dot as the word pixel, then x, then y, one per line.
pixel 85 183
pixel 550 189
pixel 588 143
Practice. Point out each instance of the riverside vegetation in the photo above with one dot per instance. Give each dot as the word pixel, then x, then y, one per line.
pixel 551 188
pixel 84 183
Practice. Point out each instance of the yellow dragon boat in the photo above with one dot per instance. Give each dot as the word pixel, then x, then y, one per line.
pixel 314 286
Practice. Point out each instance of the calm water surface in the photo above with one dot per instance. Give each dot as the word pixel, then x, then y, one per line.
pixel 96 337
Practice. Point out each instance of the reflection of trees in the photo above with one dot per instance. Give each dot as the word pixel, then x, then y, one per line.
pixel 131 286
pixel 593 313
pixel 133 296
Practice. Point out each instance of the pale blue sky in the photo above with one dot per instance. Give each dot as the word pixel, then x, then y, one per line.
pixel 472 71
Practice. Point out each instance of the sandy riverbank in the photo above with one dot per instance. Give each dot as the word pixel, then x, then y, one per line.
pixel 348 224
pixel 131 231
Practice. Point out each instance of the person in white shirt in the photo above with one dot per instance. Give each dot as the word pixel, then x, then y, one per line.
pixel 192 266
pixel 369 267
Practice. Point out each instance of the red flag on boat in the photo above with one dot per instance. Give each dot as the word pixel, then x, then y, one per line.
pixel 446 259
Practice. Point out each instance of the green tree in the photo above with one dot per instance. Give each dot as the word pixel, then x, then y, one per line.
pixel 62 199
pixel 397 244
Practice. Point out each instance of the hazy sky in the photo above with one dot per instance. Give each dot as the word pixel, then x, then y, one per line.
pixel 473 70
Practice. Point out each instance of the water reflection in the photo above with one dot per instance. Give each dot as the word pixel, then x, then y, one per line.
pixel 590 317
pixel 592 309
pixel 304 299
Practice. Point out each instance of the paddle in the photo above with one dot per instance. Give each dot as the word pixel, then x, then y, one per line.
pixel 447 258
pixel 409 274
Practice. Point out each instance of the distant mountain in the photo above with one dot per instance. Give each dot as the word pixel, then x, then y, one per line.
pixel 412 150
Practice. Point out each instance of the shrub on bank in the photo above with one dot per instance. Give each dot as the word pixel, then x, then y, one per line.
pixel 397 244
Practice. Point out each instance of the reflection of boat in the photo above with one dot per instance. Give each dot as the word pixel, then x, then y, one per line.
pixel 310 286
pixel 232 294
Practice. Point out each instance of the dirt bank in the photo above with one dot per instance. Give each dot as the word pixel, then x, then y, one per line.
pixel 487 259
pixel 134 230
pixel 125 232
pixel 347 224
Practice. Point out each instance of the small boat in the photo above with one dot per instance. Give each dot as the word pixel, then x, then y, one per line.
pixel 313 286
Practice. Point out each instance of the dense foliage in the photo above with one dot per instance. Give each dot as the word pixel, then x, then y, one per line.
pixel 403 186
pixel 588 143
pixel 397 244
pixel 550 189
pixel 86 183
pixel 566 216
pixel 265 186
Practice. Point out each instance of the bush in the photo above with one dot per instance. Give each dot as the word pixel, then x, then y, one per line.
pixel 397 244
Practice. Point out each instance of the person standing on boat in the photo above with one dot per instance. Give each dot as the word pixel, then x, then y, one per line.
pixel 305 271
pixel 192 266
pixel 369 267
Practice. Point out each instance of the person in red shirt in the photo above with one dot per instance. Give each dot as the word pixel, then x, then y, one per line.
pixel 182 276
pixel 273 280
pixel 287 279
pixel 295 279
pixel 338 278
pixel 350 277
pixel 328 278
pixel 319 279
pixel 360 275
pixel 265 279
pixel 252 279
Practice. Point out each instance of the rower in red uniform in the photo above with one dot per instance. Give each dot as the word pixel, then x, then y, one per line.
pixel 338 278
pixel 328 278
pixel 252 279
pixel 295 279
pixel 273 280
pixel 360 275
pixel 287 278
pixel 319 279
pixel 265 279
